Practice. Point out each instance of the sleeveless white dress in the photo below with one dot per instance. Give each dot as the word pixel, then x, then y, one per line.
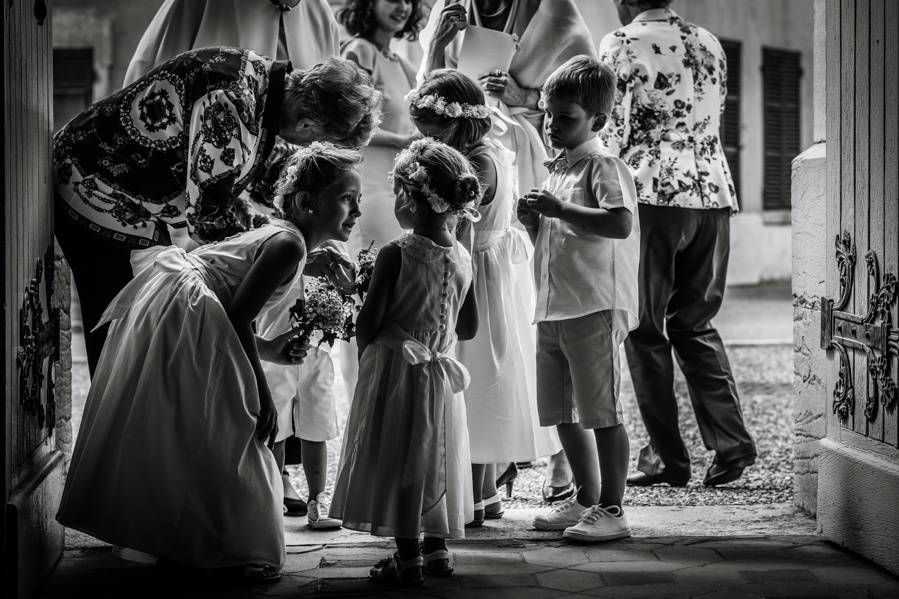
pixel 501 400
pixel 167 461
pixel 405 468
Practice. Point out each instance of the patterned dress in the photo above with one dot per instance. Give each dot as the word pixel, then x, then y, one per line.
pixel 405 468
pixel 167 461
pixel 176 146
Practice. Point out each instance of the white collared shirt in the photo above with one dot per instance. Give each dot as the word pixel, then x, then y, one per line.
pixel 578 272
pixel 672 83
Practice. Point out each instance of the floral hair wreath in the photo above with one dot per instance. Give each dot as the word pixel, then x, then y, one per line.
pixel 417 174
pixel 453 110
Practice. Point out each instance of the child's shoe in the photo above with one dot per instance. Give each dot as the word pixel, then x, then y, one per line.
pixel 563 515
pixel 493 507
pixel 316 521
pixel 437 563
pixel 599 524
pixel 395 572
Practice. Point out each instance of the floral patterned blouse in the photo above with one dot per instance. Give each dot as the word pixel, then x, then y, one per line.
pixel 672 82
pixel 175 147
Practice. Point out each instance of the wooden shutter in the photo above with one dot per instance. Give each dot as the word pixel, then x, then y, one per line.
pixel 73 82
pixel 730 121
pixel 781 76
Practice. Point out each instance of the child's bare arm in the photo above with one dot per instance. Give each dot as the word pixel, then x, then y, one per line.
pixel 380 289
pixel 608 222
pixel 276 263
pixel 467 323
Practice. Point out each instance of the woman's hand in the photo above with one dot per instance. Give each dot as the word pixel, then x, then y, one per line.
pixel 453 19
pixel 332 264
pixel 285 349
pixel 502 85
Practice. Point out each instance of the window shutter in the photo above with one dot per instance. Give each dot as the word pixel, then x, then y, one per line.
pixel 781 75
pixel 730 121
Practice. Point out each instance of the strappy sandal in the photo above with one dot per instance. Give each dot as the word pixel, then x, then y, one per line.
pixel 478 516
pixel 437 563
pixel 393 571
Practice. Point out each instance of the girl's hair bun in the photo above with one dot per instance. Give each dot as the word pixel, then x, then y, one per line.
pixel 467 189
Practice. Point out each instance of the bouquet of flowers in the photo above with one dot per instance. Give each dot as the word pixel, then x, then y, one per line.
pixel 366 261
pixel 323 310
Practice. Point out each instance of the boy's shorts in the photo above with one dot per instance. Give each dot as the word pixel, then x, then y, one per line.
pixel 579 371
pixel 304 396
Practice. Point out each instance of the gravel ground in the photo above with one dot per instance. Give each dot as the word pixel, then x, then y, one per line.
pixel 764 378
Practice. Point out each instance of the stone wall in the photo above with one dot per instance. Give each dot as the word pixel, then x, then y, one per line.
pixel 809 360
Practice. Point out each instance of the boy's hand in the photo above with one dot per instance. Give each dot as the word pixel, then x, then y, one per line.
pixel 527 217
pixel 544 203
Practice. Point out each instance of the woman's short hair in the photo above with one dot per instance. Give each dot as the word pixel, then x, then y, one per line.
pixel 451 85
pixel 358 18
pixel 584 80
pixel 311 168
pixel 339 96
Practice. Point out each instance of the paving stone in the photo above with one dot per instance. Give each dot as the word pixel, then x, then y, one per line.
pixel 567 555
pixel 621 555
pixel 852 574
pixel 500 569
pixel 688 555
pixel 569 580
pixel 884 591
pixel 653 565
pixel 301 562
pixel 340 572
pixel 793 590
pixel 486 557
pixel 636 578
pixel 668 591
pixel 783 575
pixel 474 581
pixel 522 592
pixel 714 576
pixel 730 595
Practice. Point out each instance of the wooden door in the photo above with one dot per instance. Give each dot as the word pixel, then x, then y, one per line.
pixel 33 465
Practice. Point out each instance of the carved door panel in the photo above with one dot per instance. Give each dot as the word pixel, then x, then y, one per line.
pixel 33 465
pixel 860 318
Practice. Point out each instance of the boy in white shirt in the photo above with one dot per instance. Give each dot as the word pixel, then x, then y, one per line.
pixel 585 229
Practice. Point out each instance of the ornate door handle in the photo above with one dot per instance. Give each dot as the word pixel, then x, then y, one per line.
pixel 38 340
pixel 871 333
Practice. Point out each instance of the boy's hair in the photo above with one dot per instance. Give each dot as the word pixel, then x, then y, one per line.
pixel 339 96
pixel 450 85
pixel 650 4
pixel 312 168
pixel 358 19
pixel 584 80
pixel 428 167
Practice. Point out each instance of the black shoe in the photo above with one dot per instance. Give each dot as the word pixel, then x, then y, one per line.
pixel 641 479
pixel 295 507
pixel 507 478
pixel 721 474
pixel 553 494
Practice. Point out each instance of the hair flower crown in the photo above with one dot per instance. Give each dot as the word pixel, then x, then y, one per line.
pixel 439 105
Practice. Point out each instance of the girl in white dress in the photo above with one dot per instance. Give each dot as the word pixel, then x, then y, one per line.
pixel 405 462
pixel 502 411
pixel 171 459
pixel 374 24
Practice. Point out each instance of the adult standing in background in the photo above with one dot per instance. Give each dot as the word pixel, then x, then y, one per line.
pixel 374 24
pixel 672 78
pixel 301 31
pixel 548 33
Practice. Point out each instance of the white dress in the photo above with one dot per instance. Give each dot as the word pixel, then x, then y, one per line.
pixel 501 400
pixel 167 461
pixel 394 77
pixel 405 468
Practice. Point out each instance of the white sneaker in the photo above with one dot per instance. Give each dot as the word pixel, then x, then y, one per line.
pixel 316 521
pixel 599 524
pixel 564 514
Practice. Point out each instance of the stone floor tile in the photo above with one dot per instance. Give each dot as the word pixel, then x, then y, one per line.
pixel 654 591
pixel 688 555
pixel 598 553
pixel 637 578
pixel 569 580
pixel 855 573
pixel 301 562
pixel 486 557
pixel 360 572
pixel 500 569
pixel 755 542
pixel 730 595
pixel 884 591
pixel 792 590
pixel 523 592
pixel 653 565
pixel 473 581
pixel 557 555
pixel 714 576
pixel 779 575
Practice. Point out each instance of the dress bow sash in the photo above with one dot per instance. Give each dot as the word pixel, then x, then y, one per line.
pixel 415 352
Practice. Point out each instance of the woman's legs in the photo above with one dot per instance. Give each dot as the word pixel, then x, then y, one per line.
pixel 292 500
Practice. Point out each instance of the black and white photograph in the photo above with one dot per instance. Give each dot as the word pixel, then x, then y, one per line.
pixel 451 299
